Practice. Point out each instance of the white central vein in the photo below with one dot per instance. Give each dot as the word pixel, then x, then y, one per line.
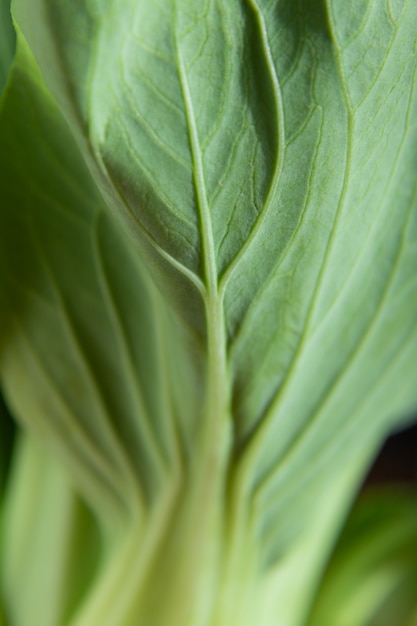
pixel 217 383
pixel 209 255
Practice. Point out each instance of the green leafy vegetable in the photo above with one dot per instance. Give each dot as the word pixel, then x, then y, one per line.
pixel 208 298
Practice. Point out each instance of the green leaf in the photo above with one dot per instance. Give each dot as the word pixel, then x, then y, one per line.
pixel 71 278
pixel 218 372
pixel 7 42
pixel 91 361
pixel 372 577
pixel 332 151
pixel 50 544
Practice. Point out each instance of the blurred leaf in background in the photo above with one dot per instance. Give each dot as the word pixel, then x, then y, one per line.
pixel 372 577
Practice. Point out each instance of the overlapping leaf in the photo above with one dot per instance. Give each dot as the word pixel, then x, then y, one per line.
pixel 80 335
